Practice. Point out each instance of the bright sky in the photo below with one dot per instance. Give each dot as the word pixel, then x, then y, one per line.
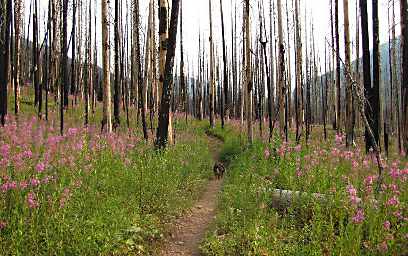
pixel 196 18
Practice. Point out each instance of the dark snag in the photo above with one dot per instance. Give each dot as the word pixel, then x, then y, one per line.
pixel 5 21
pixel 162 130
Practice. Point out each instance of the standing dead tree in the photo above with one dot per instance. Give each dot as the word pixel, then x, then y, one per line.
pixel 162 130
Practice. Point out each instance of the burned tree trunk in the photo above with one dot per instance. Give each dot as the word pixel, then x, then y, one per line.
pixel 225 110
pixel 366 69
pixel 107 112
pixel 5 22
pixel 404 77
pixel 162 130
pixel 117 93
pixel 349 90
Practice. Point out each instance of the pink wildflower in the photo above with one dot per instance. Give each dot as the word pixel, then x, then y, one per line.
pixel 351 190
pixel 369 180
pixel 387 225
pixel 298 148
pixel 32 200
pixel 3 225
pixel 34 182
pixel 23 184
pixel 5 150
pixel 267 154
pixel 366 164
pixel 358 218
pixel 393 201
pixel 40 167
pixel 383 247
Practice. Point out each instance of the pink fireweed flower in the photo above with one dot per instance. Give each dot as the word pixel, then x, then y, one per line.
pixel 40 167
pixel 267 154
pixel 339 139
pixel 23 184
pixel 28 154
pixel 366 163
pixel 5 150
pixel 298 148
pixel 72 131
pixel 387 225
pixel 299 172
pixel 351 190
pixel 65 197
pixel 34 182
pixel 32 200
pixel 8 185
pixel 3 225
pixel 359 217
pixel 354 164
pixel 369 181
pixel 394 172
pixel 393 201
pixel 383 247
pixel 394 188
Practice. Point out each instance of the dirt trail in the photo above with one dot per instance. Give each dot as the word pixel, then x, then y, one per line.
pixel 188 231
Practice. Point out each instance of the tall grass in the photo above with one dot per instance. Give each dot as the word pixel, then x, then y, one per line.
pixel 251 223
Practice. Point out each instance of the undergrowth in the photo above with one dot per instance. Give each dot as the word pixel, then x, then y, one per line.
pixel 249 221
pixel 90 194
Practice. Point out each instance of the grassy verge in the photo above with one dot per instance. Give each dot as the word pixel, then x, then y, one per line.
pixel 248 222
pixel 89 194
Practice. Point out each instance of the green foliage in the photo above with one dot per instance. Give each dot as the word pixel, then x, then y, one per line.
pixel 115 205
pixel 249 222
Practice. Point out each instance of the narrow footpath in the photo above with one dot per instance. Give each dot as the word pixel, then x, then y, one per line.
pixel 188 230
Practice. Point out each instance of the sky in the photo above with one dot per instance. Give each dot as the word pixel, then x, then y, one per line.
pixel 196 21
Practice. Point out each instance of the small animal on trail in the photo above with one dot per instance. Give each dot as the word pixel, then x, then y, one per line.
pixel 219 170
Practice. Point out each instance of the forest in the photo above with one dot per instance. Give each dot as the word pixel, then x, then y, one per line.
pixel 203 127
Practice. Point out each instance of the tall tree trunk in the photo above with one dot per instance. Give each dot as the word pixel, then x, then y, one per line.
pixel 117 93
pixel 163 37
pixel 349 90
pixel 298 73
pixel 19 14
pixel 64 64
pixel 107 112
pixel 225 110
pixel 338 70
pixel 272 56
pixel 162 130
pixel 281 73
pixel 268 78
pixel 404 77
pixel 248 73
pixel 212 82
pixel 5 22
pixel 374 100
pixel 73 60
pixel 183 87
pixel 366 70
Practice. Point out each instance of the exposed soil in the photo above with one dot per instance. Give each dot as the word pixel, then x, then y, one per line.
pixel 188 230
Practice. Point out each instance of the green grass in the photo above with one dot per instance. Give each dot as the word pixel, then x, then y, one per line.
pixel 250 223
pixel 103 202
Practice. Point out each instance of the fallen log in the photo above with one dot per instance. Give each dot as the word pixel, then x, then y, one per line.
pixel 285 198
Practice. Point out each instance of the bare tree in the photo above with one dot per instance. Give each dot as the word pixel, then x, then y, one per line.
pixel 212 82
pixel 349 91
pixel 404 77
pixel 248 73
pixel 162 130
pixel 5 22
pixel 107 112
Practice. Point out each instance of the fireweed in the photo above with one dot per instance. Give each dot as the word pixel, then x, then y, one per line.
pixel 77 194
pixel 351 220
